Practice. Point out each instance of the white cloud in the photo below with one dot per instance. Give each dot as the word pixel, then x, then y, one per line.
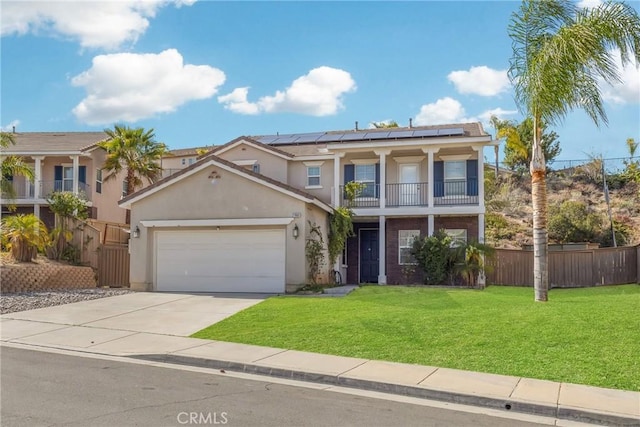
pixel 318 93
pixel 129 87
pixel 9 127
pixel 104 24
pixel 480 80
pixel 498 112
pixel 443 111
pixel 626 92
pixel 583 4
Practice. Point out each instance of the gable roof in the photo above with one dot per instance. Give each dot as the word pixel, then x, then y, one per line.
pixel 54 142
pixel 231 167
pixel 251 141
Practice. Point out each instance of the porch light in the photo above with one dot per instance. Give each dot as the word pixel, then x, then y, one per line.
pixel 136 232
pixel 296 231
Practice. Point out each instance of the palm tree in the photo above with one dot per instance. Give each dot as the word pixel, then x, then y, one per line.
pixel 11 166
pixel 559 54
pixel 134 151
pixel 24 235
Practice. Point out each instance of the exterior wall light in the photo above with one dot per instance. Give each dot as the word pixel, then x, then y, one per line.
pixel 136 232
pixel 296 231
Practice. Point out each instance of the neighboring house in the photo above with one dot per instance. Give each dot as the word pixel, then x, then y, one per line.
pixel 64 161
pixel 176 160
pixel 238 218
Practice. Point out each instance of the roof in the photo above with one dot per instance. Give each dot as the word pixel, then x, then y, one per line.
pixel 54 142
pixel 285 141
pixel 189 151
pixel 242 171
pixel 250 140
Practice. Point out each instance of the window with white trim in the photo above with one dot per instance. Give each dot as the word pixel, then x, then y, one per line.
pixel 366 175
pixel 191 161
pixel 98 180
pixel 125 188
pixel 313 176
pixel 405 244
pixel 455 178
pixel 458 236
pixel 184 162
pixel 67 178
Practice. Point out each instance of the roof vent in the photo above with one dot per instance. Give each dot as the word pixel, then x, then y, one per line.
pixel 410 122
pixel 357 125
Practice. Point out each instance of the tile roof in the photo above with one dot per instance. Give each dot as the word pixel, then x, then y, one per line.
pixel 43 142
pixel 228 164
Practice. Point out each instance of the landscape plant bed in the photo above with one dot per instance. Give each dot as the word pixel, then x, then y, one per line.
pixel 584 336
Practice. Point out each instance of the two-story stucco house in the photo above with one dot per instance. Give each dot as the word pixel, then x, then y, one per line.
pixel 64 161
pixel 237 219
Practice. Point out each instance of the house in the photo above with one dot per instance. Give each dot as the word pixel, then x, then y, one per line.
pixel 238 218
pixel 176 160
pixel 64 161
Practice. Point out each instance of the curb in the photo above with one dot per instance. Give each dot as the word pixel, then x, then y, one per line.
pixel 555 411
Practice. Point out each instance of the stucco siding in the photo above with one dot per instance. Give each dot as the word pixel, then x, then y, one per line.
pixel 270 164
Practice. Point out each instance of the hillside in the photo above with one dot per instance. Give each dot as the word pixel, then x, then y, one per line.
pixel 509 218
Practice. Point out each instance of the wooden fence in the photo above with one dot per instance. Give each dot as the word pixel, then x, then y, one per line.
pixel 113 265
pixel 567 269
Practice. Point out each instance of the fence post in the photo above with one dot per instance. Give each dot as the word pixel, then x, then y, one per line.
pixel 638 264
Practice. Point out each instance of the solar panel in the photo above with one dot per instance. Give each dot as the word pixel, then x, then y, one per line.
pixel 267 139
pixel 376 135
pixel 309 137
pixel 425 132
pixel 330 137
pixel 401 134
pixel 286 139
pixel 450 132
pixel 352 137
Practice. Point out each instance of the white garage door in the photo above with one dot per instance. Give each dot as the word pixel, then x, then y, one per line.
pixel 221 261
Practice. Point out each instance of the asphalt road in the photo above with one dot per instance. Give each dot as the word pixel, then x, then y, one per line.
pixel 47 389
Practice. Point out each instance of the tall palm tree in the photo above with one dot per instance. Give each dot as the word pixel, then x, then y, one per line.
pixel 134 151
pixel 559 54
pixel 11 166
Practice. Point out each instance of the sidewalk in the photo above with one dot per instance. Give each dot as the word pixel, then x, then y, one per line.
pixel 72 327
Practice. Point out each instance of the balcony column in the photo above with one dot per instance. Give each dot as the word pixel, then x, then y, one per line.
pixel 337 197
pixel 382 194
pixel 76 172
pixel 430 177
pixel 37 179
pixel 382 251
pixel 480 228
pixel 480 151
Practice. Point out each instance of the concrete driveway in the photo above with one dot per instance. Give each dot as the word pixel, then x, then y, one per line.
pixel 146 312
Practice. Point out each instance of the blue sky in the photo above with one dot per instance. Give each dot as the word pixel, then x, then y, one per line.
pixel 203 73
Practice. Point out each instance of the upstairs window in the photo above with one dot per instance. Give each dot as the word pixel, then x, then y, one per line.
pixel 455 178
pixel 366 175
pixel 98 180
pixel 125 188
pixel 313 176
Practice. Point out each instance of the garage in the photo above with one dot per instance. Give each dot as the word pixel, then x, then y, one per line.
pixel 220 260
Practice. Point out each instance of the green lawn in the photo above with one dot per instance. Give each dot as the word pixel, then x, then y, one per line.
pixel 585 336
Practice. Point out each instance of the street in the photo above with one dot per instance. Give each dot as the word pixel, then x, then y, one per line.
pixel 48 389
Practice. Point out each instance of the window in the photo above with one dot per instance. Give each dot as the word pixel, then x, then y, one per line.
pixel 255 167
pixel 405 243
pixel 313 176
pixel 458 236
pixel 125 187
pixel 67 178
pixel 184 162
pixel 366 175
pixel 98 180
pixel 191 161
pixel 455 178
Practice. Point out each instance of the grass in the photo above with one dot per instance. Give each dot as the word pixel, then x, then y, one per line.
pixel 585 336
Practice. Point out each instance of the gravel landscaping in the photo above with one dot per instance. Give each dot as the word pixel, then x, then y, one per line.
pixel 10 303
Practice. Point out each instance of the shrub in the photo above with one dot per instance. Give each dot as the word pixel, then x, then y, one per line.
pixel 573 222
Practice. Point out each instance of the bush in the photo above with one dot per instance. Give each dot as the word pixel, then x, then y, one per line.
pixel 24 236
pixel 573 222
pixel 433 255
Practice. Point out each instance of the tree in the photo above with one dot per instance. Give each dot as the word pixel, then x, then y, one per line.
pixel 67 207
pixel 24 235
pixel 385 124
pixel 560 52
pixel 519 142
pixel 134 151
pixel 11 166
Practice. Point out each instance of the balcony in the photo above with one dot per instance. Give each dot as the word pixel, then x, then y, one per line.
pixel 446 193
pixel 25 191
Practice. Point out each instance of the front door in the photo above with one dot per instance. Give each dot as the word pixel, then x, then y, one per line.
pixel 409 184
pixel 369 256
